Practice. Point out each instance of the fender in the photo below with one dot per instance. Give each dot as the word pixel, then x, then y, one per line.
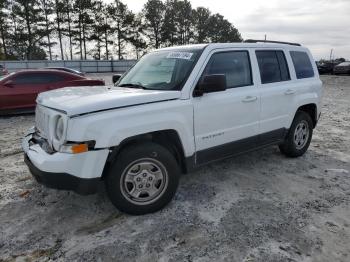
pixel 311 96
pixel 132 121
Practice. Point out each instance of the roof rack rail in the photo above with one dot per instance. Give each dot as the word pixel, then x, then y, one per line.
pixel 269 41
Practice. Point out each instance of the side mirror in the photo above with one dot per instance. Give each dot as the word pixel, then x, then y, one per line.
pixel 116 77
pixel 9 83
pixel 210 84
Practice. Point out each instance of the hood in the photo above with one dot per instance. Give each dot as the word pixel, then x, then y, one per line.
pixel 87 99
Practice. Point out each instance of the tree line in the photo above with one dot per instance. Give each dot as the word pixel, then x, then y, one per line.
pixel 93 29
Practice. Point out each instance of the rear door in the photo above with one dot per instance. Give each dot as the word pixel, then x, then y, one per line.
pixel 227 122
pixel 277 92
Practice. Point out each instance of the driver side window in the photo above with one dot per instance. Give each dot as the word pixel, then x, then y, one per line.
pixel 235 65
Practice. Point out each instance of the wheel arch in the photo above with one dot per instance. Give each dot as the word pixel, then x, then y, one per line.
pixel 311 110
pixel 169 138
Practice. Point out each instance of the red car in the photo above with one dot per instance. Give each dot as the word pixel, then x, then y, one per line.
pixel 18 91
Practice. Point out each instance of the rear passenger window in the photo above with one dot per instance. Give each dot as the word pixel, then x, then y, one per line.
pixel 273 66
pixel 302 64
pixel 234 65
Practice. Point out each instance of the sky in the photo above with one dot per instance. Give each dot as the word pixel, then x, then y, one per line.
pixel 320 25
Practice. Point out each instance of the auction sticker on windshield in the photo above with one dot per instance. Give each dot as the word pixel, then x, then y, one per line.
pixel 180 55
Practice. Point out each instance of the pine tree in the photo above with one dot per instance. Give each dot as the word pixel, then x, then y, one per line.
pixel 154 11
pixel 29 28
pixel 137 35
pixel 169 28
pixel 201 25
pixel 123 19
pixel 183 21
pixel 47 7
pixel 59 6
pixel 222 31
pixel 107 28
pixel 68 10
pixel 4 28
pixel 28 18
pixel 97 29
pixel 83 23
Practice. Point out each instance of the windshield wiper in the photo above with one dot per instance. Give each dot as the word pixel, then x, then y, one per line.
pixel 130 85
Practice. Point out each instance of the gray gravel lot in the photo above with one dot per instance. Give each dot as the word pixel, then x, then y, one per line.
pixel 260 206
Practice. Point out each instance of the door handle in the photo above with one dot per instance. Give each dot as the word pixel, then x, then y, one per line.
pixel 249 99
pixel 289 92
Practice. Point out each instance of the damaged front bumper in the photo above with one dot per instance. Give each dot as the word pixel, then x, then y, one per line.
pixel 77 172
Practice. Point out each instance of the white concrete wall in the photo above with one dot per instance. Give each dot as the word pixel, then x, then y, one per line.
pixel 87 66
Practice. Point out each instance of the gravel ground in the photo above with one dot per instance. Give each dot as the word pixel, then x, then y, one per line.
pixel 259 206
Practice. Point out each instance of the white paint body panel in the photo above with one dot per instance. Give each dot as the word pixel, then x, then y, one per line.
pixel 84 165
pixel 110 128
pixel 224 115
pixel 85 99
pixel 280 101
pixel 111 115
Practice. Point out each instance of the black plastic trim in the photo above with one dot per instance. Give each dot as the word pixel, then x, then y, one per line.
pixel 63 181
pixel 236 148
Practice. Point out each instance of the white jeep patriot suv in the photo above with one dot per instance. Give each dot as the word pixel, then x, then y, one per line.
pixel 178 108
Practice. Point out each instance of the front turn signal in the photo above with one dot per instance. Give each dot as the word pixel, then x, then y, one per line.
pixel 75 148
pixel 79 148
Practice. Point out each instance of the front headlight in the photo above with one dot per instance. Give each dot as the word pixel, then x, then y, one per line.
pixel 59 130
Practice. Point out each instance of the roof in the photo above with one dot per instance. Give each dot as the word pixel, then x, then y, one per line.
pixel 39 71
pixel 46 71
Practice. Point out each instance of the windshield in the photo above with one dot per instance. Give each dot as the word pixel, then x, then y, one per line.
pixel 162 70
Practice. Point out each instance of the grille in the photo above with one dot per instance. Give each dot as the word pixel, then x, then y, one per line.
pixel 42 120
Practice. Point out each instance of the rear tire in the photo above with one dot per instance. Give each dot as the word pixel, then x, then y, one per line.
pixel 299 136
pixel 143 179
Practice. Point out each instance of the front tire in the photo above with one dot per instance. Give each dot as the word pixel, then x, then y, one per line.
pixel 299 136
pixel 143 179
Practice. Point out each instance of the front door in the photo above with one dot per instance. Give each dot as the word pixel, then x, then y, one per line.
pixel 227 122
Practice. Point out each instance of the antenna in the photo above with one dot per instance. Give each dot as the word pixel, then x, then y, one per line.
pixel 330 55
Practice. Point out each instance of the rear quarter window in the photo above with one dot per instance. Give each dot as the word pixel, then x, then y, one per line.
pixel 302 64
